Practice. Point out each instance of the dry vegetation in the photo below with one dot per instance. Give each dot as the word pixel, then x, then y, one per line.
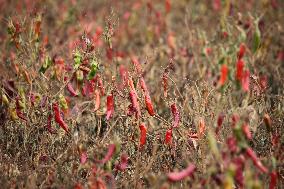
pixel 142 94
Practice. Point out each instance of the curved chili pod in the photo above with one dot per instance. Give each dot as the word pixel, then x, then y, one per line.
pixel 143 133
pixel 168 136
pixel 58 117
pixel 176 115
pixel 177 176
pixel 251 154
pixel 110 107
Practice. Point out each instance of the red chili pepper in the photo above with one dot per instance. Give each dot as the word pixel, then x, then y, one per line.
pixel 224 74
pixel 50 130
pixel 143 85
pixel 273 180
pixel 176 115
pixel 251 154
pixel 149 105
pixel 201 128
pixel 83 157
pixel 135 103
pixel 177 176
pixel 168 137
pixel 245 81
pixel 71 90
pixel 219 123
pixel 143 132
pixel 165 83
pixel 110 152
pixel 58 117
pixel 242 51
pixel 168 6
pixel 101 86
pixel 267 121
pixel 148 102
pixel 110 106
pixel 240 70
pixel 246 131
pixel 136 64
pixel 97 100
pixel 123 163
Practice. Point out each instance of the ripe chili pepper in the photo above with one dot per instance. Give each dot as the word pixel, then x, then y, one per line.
pixel 246 131
pixel 219 123
pixel 168 6
pixel 177 176
pixel 136 64
pixel 97 100
pixel 201 128
pixel 149 105
pixel 268 122
pixel 224 74
pixel 123 162
pixel 135 103
pixel 165 83
pixel 48 126
pixel 245 81
pixel 58 117
pixel 242 50
pixel 176 115
pixel 110 106
pixel 251 154
pixel 101 86
pixel 240 70
pixel 273 180
pixel 143 132
pixel 110 152
pixel 148 102
pixel 168 136
pixel 71 90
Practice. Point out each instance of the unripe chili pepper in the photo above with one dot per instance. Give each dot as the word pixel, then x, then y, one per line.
pixel 176 115
pixel 251 154
pixel 58 117
pixel 168 136
pixel 143 133
pixel 110 106
pixel 242 50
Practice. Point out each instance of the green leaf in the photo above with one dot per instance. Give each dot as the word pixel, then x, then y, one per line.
pixel 94 69
pixel 46 65
pixel 256 39
pixel 77 59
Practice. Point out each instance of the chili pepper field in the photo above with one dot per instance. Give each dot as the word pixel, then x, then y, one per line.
pixel 142 94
